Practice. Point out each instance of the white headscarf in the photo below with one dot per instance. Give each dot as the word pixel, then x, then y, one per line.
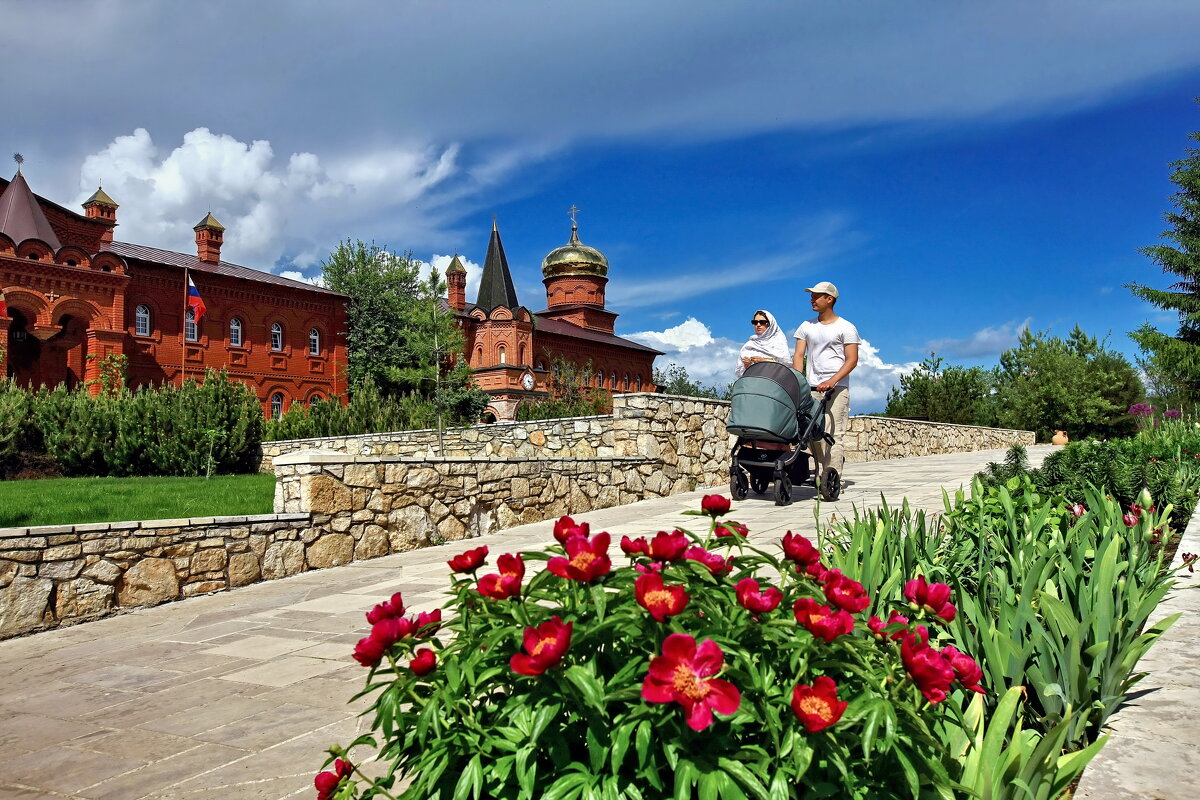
pixel 770 344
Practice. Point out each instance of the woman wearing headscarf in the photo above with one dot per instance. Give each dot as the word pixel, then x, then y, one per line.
pixel 768 343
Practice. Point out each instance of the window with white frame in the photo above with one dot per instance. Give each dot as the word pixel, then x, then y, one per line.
pixel 141 320
pixel 277 336
pixel 277 405
pixel 191 331
pixel 314 342
pixel 235 332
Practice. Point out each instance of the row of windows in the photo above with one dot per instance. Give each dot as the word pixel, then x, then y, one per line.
pixel 142 327
pixel 277 404
pixel 599 381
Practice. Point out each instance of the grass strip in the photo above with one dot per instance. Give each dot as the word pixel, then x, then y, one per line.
pixel 71 501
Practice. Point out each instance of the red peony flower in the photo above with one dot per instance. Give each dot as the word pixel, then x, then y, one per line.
pixel 387 609
pixel 427 623
pixel 653 566
pixel 544 647
pixel 635 547
pixel 714 505
pixel 508 582
pixel 668 546
pixel 928 668
pixel 799 549
pixel 660 600
pixel 682 675
pixel 566 528
pixel 469 561
pixel 586 559
pixel 965 668
pixel 385 633
pixel 877 626
pixel 423 662
pixel 822 621
pixel 716 564
pixel 755 601
pixel 845 593
pixel 816 571
pixel 817 706
pixel 328 782
pixel 932 597
pixel 731 529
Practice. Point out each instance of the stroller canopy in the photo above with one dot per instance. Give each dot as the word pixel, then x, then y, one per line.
pixel 772 402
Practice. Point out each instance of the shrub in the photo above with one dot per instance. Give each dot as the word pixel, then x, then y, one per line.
pixel 703 665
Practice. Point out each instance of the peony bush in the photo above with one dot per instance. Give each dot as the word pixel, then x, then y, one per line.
pixel 669 666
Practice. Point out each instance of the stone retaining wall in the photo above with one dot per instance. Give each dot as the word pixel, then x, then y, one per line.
pixel 667 419
pixel 53 575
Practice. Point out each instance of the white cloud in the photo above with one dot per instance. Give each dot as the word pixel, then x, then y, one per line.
pixel 297 209
pixel 712 361
pixel 989 341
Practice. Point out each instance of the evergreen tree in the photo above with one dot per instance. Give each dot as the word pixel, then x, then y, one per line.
pixel 955 394
pixel 1172 363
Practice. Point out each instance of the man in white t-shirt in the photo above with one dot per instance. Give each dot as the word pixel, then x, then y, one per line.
pixel 831 346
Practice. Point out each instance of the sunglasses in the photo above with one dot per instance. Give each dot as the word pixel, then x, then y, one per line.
pixel 759 322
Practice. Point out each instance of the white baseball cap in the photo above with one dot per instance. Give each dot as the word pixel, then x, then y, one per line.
pixel 824 287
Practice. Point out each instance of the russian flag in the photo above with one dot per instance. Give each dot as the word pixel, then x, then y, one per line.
pixel 3 305
pixel 194 301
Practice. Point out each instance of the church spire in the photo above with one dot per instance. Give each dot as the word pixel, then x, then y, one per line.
pixel 496 286
pixel 21 217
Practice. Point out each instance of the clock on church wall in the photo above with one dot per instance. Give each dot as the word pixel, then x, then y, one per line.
pixel 527 381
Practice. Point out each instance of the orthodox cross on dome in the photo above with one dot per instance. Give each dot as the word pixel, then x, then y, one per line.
pixel 20 159
pixel 572 212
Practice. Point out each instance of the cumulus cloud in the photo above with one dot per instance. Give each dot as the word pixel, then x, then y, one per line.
pixel 711 361
pixel 291 210
pixel 989 341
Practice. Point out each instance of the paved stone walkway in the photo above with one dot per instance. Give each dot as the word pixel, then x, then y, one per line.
pixel 236 695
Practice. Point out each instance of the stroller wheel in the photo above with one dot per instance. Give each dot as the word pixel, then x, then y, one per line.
pixel 783 491
pixel 759 485
pixel 831 485
pixel 737 485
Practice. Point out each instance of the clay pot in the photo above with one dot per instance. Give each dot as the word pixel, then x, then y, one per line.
pixel 1060 438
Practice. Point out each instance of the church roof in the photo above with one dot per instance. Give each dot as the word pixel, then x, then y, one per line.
pixel 456 265
pixel 21 217
pixel 560 328
pixel 574 258
pixel 100 198
pixel 496 286
pixel 191 262
pixel 209 221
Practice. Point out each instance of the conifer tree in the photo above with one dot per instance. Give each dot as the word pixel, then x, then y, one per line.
pixel 1172 363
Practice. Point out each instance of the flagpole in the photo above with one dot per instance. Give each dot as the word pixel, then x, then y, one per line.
pixel 183 332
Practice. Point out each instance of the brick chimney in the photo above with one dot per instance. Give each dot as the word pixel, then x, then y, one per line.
pixel 456 285
pixel 210 234
pixel 102 207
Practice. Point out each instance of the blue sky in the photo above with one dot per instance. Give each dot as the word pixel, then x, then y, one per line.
pixel 960 170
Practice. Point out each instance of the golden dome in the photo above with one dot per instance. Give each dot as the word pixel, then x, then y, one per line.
pixel 574 258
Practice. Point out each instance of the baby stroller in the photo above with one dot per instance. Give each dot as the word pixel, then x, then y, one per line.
pixel 775 419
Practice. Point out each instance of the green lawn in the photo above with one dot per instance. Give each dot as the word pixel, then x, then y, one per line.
pixel 66 501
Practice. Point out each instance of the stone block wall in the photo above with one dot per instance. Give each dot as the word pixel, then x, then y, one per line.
pixel 55 575
pixel 880 438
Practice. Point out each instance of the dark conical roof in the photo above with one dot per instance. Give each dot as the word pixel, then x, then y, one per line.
pixel 21 217
pixel 496 286
pixel 100 198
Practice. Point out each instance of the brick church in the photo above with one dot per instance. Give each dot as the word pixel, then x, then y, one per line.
pixel 75 296
pixel 511 349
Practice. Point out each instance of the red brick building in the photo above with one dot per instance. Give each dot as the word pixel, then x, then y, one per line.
pixel 75 296
pixel 511 348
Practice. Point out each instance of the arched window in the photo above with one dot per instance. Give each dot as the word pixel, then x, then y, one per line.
pixel 191 331
pixel 627 381
pixel 235 332
pixel 613 380
pixel 277 336
pixel 314 342
pixel 541 365
pixel 502 357
pixel 522 353
pixel 599 380
pixel 312 401
pixel 277 405
pixel 639 383
pixel 141 320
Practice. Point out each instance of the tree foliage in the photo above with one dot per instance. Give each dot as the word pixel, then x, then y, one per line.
pixel 675 380
pixel 401 338
pixel 955 394
pixel 1172 363
pixel 1077 385
pixel 570 395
